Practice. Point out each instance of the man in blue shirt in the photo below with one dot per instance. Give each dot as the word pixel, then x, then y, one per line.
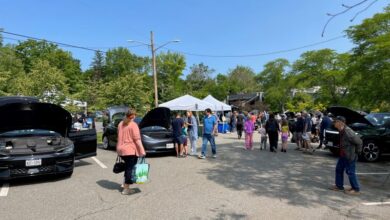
pixel 209 131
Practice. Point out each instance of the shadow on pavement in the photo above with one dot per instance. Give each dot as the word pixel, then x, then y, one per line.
pixel 299 179
pixel 107 184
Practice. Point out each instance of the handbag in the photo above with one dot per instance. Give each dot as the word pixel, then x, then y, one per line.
pixel 140 172
pixel 119 165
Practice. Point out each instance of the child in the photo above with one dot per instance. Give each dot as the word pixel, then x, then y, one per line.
pixel 184 137
pixel 249 128
pixel 263 137
pixel 284 136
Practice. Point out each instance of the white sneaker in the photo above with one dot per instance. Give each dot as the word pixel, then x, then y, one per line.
pixel 214 156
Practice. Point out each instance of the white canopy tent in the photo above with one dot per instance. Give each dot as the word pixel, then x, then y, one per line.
pixel 187 102
pixel 217 105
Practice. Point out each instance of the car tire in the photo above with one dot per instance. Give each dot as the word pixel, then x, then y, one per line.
pixel 370 152
pixel 106 143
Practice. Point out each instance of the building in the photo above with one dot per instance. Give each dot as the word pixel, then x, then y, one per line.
pixel 247 102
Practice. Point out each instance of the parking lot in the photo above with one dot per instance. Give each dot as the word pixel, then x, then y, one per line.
pixel 239 184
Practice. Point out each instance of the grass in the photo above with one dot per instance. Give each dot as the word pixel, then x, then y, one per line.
pixel 99 137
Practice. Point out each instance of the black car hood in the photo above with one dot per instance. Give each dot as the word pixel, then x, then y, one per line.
pixel 160 116
pixel 17 116
pixel 350 115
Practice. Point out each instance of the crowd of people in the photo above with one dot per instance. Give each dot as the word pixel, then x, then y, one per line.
pixel 303 129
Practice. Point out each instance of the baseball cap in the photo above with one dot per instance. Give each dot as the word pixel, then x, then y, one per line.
pixel 340 118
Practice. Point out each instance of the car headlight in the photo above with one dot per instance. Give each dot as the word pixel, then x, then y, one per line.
pixel 67 150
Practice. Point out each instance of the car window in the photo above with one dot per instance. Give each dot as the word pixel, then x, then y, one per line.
pixel 378 119
pixel 153 128
pixel 29 133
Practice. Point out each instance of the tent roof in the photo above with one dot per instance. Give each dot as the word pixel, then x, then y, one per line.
pixel 217 105
pixel 187 102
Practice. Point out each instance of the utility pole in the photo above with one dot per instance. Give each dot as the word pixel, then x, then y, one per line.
pixel 151 45
pixel 154 70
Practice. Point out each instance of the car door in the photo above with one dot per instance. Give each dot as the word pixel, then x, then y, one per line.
pixel 111 131
pixel 85 142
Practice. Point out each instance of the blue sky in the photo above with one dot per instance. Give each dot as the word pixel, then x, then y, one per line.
pixel 210 27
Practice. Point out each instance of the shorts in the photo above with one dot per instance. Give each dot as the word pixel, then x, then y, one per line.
pixel 284 137
pixel 298 136
pixel 178 140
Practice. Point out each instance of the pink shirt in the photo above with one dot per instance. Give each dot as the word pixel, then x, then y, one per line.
pixel 127 138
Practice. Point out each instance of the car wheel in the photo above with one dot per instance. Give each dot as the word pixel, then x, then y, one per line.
pixel 370 152
pixel 106 143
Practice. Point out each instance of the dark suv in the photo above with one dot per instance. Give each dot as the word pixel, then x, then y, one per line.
pixel 373 129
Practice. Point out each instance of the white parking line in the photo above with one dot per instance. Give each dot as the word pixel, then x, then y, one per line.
pixel 372 173
pixel 376 203
pixel 99 163
pixel 4 189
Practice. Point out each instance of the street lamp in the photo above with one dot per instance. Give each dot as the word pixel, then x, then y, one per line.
pixel 151 45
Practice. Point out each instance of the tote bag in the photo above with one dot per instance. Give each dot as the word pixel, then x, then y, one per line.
pixel 140 172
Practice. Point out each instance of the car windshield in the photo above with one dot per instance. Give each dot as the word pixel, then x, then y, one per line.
pixel 378 119
pixel 28 133
pixel 118 116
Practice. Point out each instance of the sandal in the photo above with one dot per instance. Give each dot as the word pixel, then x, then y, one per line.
pixel 335 188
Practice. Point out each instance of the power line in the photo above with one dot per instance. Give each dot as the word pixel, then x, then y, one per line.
pixel 54 42
pixel 259 54
pixel 183 52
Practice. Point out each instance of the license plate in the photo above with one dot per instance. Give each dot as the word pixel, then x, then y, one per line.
pixel 33 162
pixel 330 143
pixel 169 146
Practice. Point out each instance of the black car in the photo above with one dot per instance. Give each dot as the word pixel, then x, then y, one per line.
pixel 155 130
pixel 37 139
pixel 373 129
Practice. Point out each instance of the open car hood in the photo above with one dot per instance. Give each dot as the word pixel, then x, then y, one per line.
pixel 24 115
pixel 160 116
pixel 350 115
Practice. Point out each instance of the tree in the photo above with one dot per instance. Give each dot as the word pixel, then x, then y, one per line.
pixel 11 68
pixel 242 80
pixel 325 69
pixel 98 66
pixel 369 72
pixel 44 81
pixel 120 61
pixel 276 84
pixel 131 89
pixel 32 51
pixel 170 67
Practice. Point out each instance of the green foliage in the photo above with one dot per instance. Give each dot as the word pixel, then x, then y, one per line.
pixel 369 70
pixel 44 81
pixel 130 89
pixel 242 80
pixel 31 52
pixel 120 61
pixel 170 67
pixel 11 68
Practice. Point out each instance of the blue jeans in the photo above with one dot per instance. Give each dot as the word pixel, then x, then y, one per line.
pixel 208 138
pixel 349 167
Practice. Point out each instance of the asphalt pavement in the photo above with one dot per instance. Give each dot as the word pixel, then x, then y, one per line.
pixel 238 184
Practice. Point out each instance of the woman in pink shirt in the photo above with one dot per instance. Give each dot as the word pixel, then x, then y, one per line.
pixel 129 147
